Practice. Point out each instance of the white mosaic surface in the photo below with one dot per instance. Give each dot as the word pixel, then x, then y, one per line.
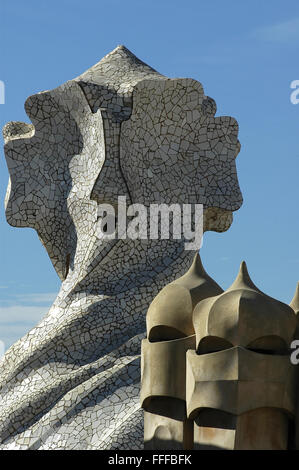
pixel 120 128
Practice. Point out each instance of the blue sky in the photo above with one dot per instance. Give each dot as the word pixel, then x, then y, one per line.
pixel 246 56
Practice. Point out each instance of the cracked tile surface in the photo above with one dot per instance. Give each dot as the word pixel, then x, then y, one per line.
pixel 120 128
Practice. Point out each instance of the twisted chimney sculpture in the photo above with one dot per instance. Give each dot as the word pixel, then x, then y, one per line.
pixel 119 129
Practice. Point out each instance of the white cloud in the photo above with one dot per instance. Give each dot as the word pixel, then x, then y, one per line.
pixel 47 297
pixel 26 315
pixel 21 313
pixel 17 320
pixel 2 348
pixel 285 32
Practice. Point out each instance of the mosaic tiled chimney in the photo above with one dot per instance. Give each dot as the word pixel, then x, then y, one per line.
pixel 119 129
pixel 216 369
